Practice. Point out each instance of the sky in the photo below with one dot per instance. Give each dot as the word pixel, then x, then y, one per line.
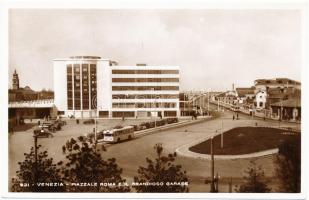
pixel 213 48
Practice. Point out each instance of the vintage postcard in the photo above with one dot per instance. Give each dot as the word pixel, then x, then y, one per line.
pixel 115 101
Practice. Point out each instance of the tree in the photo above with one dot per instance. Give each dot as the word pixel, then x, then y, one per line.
pixel 161 175
pixel 85 165
pixel 289 165
pixel 45 171
pixel 254 181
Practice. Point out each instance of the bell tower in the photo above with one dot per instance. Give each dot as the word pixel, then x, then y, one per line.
pixel 15 81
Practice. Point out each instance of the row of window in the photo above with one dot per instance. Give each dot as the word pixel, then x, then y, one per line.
pixel 149 71
pixel 144 80
pixel 84 88
pixel 145 105
pixel 120 88
pixel 145 96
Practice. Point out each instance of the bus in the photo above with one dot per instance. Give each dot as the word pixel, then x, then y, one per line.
pixel 119 134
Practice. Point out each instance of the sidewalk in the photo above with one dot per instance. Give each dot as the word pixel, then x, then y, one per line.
pixel 256 114
pixel 171 126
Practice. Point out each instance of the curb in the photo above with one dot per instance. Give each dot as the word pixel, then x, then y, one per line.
pixel 171 126
pixel 260 117
pixel 184 151
pixel 227 157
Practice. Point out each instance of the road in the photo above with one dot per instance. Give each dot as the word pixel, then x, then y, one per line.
pixel 131 154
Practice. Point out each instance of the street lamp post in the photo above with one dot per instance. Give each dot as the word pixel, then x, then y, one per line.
pixel 95 129
pixel 201 108
pixel 184 109
pixel 221 134
pixel 212 184
pixel 152 95
pixel 280 117
pixel 155 103
pixel 208 102
pixel 35 161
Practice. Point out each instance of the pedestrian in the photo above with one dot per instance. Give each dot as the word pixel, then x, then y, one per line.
pixel 233 117
pixel 67 144
pixel 237 116
pixel 63 149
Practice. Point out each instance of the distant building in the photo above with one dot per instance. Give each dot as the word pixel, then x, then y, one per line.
pixel 229 97
pixel 15 81
pixel 245 92
pixel 289 109
pixel 88 86
pixel 185 105
pixel 18 93
pixel 265 84
pixel 260 100
pixel 270 91
pixel 245 95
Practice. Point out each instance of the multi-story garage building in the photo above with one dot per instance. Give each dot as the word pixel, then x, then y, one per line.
pixel 88 86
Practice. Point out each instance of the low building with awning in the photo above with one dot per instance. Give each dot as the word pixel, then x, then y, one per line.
pixel 289 109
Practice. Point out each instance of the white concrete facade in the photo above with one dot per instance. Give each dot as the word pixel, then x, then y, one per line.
pixel 88 86
pixel 260 99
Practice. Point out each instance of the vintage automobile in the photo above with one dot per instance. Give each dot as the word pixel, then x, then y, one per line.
pixel 89 121
pixel 48 125
pixel 42 133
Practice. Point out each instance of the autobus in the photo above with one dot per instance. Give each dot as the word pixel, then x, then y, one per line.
pixel 119 134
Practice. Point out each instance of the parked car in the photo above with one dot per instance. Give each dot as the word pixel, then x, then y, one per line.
pixel 152 124
pixel 89 121
pixel 62 122
pixel 145 124
pixel 91 136
pixel 172 120
pixel 57 125
pixel 43 133
pixel 136 127
pixel 48 125
pixel 161 122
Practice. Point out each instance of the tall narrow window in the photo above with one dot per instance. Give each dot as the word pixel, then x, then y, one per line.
pixel 85 86
pixel 93 85
pixel 69 87
pixel 77 87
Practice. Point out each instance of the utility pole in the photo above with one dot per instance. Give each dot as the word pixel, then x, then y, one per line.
pixel 208 102
pixel 217 182
pixel 221 134
pixel 95 130
pixel 280 117
pixel 35 162
pixel 212 184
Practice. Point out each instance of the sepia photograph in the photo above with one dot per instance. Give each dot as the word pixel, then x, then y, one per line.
pixel 114 100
